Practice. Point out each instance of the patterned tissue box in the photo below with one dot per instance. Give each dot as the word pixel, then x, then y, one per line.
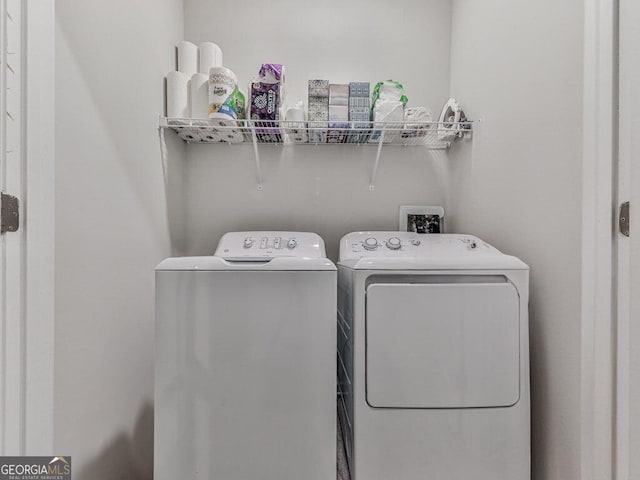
pixel 359 132
pixel 359 114
pixel 338 113
pixel 318 132
pixel 318 113
pixel 359 102
pixel 338 132
pixel 318 101
pixel 359 89
pixel 338 94
pixel 318 88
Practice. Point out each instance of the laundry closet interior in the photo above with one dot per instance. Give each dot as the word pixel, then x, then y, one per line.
pixel 513 179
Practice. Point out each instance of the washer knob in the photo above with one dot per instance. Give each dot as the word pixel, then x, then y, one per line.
pixel 248 242
pixel 394 243
pixel 415 242
pixel 291 244
pixel 370 243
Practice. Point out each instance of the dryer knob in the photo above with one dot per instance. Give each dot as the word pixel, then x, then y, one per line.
pixel 370 243
pixel 394 243
pixel 291 244
pixel 248 242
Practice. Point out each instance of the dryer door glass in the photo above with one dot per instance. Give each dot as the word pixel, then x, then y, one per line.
pixel 442 345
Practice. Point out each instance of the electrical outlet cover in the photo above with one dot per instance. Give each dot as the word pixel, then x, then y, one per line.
pixel 406 210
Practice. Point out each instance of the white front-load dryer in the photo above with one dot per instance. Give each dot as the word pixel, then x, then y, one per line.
pixel 245 384
pixel 433 358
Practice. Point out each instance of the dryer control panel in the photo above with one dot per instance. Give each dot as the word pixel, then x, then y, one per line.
pixel 408 244
pixel 250 246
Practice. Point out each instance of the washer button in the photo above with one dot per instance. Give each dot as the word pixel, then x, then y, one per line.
pixel 394 243
pixel 370 243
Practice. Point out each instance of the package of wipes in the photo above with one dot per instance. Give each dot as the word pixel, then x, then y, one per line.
pixel 387 109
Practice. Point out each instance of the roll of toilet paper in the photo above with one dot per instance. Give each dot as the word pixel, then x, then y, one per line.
pixel 210 136
pixel 190 135
pixel 187 57
pixel 222 122
pixel 200 96
pixel 178 95
pixel 210 56
pixel 298 136
pixel 227 130
pixel 231 135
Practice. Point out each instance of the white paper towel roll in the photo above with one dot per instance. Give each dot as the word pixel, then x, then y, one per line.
pixel 210 56
pixel 187 58
pixel 178 95
pixel 200 96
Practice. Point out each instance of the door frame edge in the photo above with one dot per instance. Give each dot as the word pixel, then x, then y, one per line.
pixel 597 389
pixel 39 274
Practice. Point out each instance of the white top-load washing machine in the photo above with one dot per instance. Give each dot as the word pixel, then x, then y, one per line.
pixel 245 384
pixel 433 358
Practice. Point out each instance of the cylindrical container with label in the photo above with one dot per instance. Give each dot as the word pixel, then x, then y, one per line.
pixel 222 84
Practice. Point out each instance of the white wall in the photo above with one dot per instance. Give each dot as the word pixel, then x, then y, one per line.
pixel 517 66
pixel 307 188
pixel 112 227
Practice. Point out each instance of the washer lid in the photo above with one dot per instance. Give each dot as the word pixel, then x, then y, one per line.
pixel 259 251
pixel 213 263
pixel 412 251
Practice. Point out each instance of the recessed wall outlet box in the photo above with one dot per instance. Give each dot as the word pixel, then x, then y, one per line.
pixel 421 219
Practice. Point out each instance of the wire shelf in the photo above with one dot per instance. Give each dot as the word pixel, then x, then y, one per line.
pixel 431 135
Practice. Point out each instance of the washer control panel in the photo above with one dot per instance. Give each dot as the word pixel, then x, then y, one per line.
pixel 248 246
pixel 408 244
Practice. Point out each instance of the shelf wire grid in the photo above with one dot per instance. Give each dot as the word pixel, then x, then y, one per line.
pixel 432 135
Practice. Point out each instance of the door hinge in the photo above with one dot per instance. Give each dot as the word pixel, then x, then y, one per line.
pixel 9 213
pixel 623 219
